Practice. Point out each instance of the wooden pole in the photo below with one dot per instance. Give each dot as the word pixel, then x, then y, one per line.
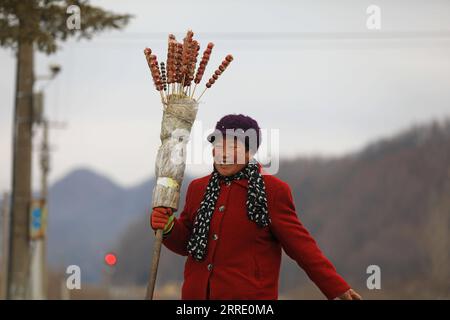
pixel 5 243
pixel 154 265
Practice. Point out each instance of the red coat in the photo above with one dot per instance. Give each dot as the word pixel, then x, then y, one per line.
pixel 243 260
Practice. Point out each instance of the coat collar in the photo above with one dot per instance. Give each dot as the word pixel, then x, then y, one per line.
pixel 244 182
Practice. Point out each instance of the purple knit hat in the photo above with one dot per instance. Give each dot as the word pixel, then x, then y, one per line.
pixel 241 126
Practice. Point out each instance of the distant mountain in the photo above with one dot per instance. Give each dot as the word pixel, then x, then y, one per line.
pixel 87 213
pixel 387 205
pixel 383 206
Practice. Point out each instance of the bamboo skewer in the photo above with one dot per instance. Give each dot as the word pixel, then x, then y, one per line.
pixel 198 99
pixel 193 91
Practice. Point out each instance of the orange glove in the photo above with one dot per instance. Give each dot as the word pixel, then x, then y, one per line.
pixel 162 218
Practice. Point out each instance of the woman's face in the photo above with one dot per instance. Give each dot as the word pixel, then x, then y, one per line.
pixel 229 156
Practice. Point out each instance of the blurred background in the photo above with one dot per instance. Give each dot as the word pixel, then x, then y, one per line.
pixel 360 96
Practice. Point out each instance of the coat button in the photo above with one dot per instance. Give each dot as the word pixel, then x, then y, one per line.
pixel 210 266
pixel 215 236
pixel 228 183
pixel 222 208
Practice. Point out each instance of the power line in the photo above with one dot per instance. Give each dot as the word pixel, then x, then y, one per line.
pixel 291 35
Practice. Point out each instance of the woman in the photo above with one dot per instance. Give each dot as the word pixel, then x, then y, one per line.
pixel 235 222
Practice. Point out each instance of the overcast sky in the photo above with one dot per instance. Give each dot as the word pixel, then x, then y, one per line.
pixel 310 69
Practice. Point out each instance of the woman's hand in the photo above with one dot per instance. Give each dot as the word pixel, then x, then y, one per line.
pixel 162 218
pixel 350 295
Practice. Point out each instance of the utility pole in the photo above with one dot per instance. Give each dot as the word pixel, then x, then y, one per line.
pixel 39 213
pixel 19 249
pixel 39 275
pixel 5 244
pixel 45 168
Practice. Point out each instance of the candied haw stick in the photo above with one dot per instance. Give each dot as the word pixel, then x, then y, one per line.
pixel 202 66
pixel 192 61
pixel 163 76
pixel 179 64
pixel 186 57
pixel 223 66
pixel 170 64
pixel 152 62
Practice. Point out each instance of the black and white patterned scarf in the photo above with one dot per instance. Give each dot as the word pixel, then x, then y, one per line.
pixel 256 206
